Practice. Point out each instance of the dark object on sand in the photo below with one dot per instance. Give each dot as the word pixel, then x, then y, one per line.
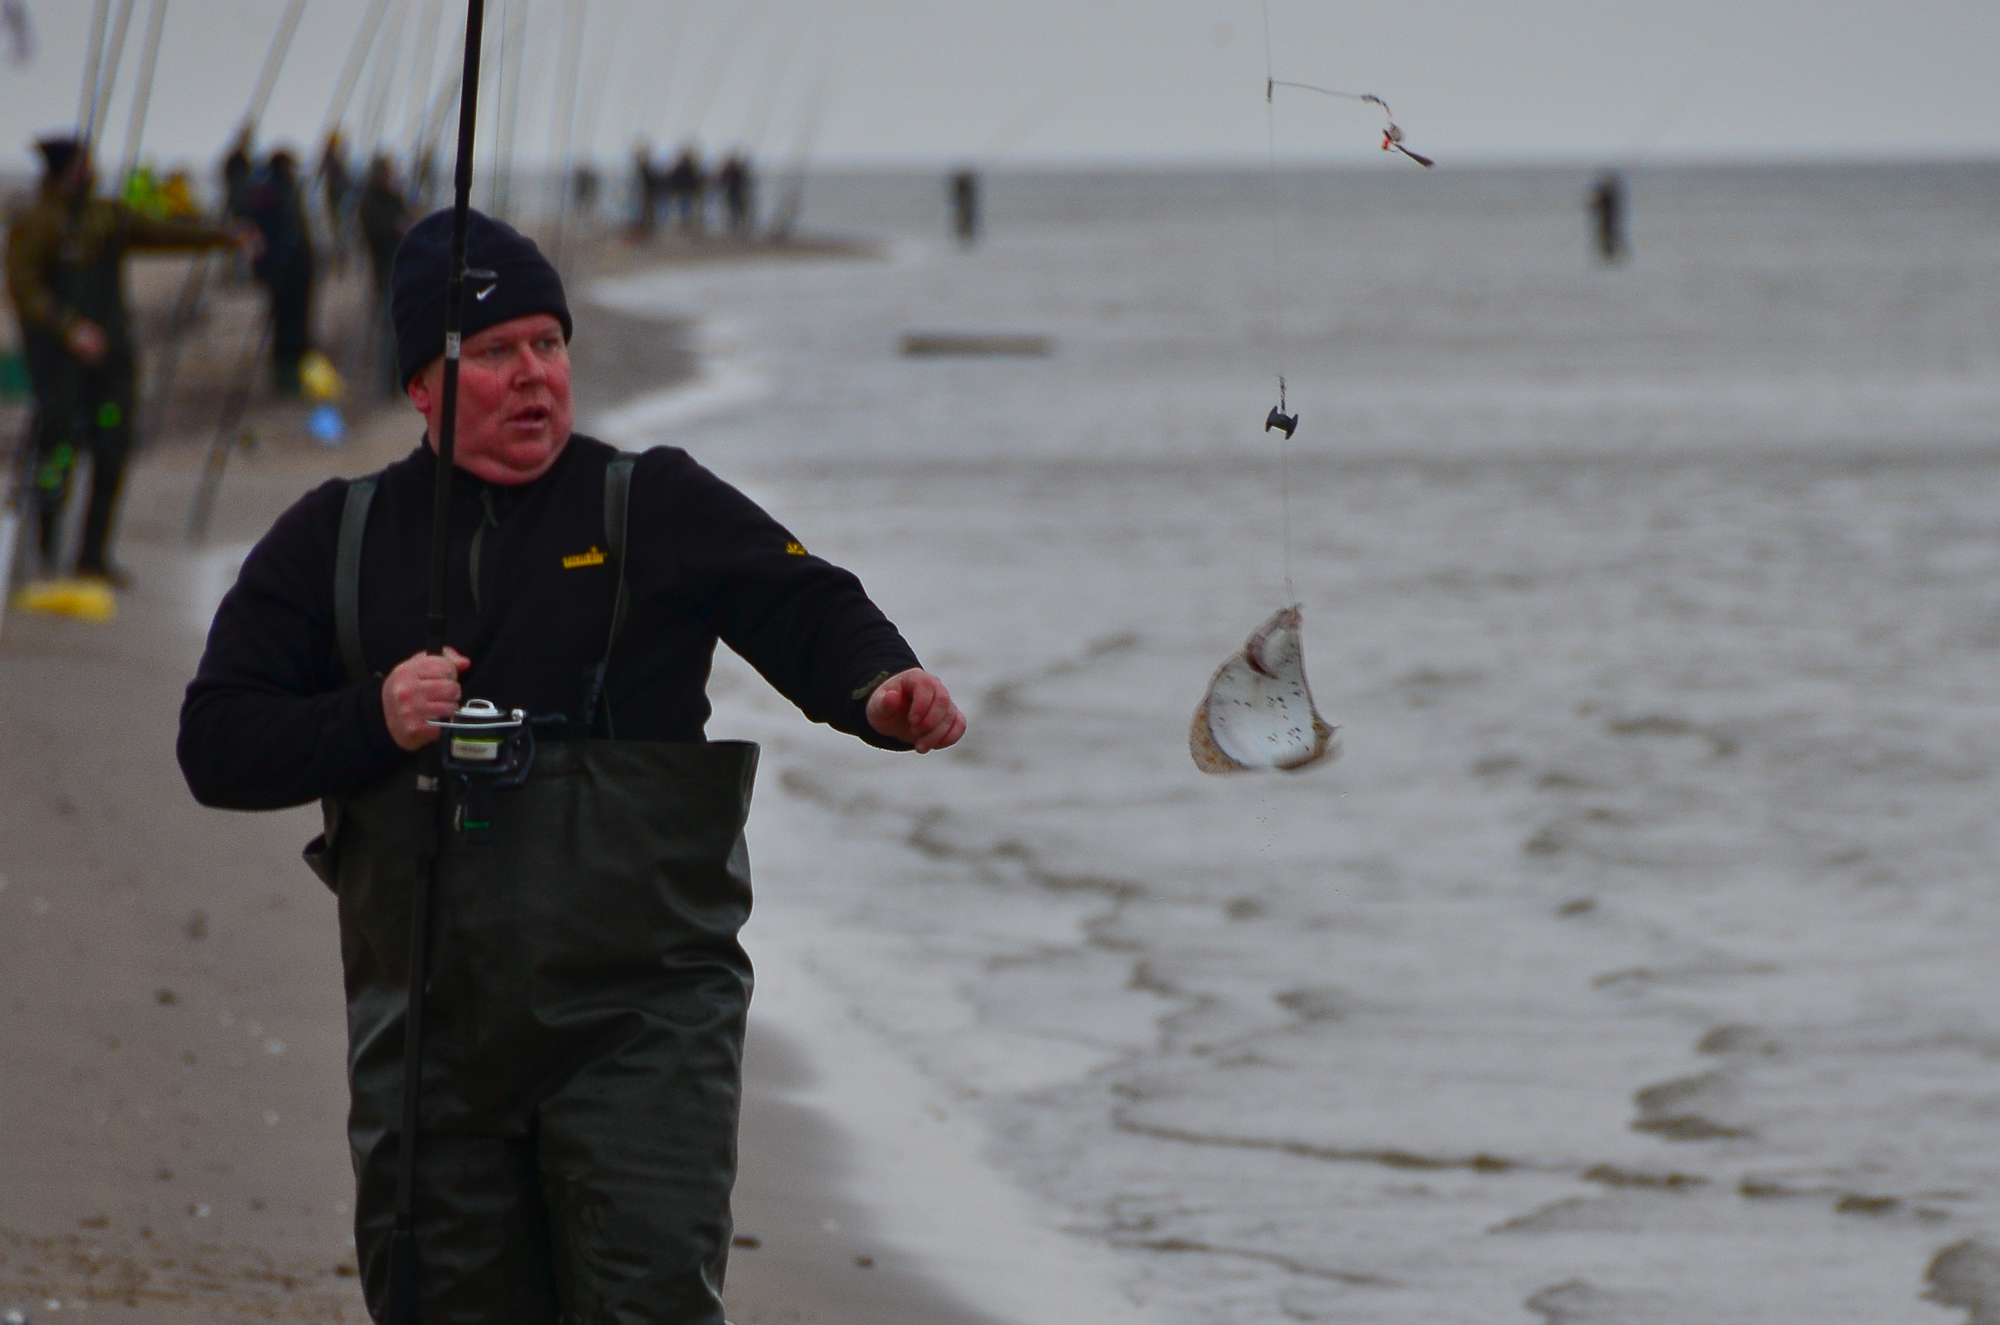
pixel 934 344
pixel 965 205
pixel 1607 212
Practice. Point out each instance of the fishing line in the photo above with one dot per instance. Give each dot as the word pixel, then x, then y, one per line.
pixel 1282 418
pixel 1278 418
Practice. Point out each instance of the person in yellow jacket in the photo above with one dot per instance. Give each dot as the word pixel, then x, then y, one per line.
pixel 66 276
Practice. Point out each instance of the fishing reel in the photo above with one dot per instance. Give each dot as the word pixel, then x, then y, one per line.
pixel 484 750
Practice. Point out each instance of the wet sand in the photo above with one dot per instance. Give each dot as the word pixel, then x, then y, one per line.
pixel 170 1010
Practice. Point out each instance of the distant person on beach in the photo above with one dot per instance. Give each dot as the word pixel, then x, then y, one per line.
pixel 1607 214
pixel 739 193
pixel 336 184
pixel 586 1006
pixel 384 216
pixel 645 191
pixel 285 266
pixel 686 191
pixel 584 186
pixel 964 192
pixel 66 277
pixel 237 168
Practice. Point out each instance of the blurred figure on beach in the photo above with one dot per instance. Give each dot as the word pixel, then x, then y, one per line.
pixel 964 192
pixel 1607 214
pixel 66 276
pixel 237 168
pixel 384 214
pixel 687 190
pixel 285 267
pixel 336 186
pixel 645 190
pixel 739 193
pixel 584 186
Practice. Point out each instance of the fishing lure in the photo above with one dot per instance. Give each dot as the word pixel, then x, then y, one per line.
pixel 1392 133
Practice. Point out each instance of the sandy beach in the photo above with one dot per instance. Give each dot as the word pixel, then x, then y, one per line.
pixel 170 1010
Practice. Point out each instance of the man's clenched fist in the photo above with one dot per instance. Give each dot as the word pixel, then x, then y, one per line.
pixel 423 686
pixel 914 706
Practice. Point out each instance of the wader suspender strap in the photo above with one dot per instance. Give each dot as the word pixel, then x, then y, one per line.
pixel 617 505
pixel 347 578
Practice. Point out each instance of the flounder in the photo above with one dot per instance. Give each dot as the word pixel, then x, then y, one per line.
pixel 1258 712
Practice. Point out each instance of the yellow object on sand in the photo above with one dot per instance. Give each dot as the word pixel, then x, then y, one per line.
pixel 86 600
pixel 319 378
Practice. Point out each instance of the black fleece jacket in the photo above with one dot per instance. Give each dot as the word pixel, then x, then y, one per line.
pixel 271 719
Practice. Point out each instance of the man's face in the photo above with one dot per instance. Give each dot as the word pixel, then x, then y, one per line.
pixel 514 410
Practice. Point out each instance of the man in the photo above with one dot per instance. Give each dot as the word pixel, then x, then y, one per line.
pixel 587 994
pixel 738 185
pixel 285 265
pixel 384 215
pixel 66 275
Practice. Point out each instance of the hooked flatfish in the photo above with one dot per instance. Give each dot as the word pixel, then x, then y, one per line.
pixel 1258 712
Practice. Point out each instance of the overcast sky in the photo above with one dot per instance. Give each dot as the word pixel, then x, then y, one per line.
pixel 1024 81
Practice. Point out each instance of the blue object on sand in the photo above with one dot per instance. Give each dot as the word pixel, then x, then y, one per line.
pixel 327 425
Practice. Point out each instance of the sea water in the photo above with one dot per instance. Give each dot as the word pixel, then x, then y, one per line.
pixel 1636 962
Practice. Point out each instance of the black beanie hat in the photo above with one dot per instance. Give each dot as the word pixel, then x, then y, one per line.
pixel 522 281
pixel 57 153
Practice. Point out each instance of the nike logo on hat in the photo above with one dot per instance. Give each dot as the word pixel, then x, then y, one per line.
pixel 481 295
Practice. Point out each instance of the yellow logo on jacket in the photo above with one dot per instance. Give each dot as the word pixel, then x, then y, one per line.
pixel 590 558
pixel 795 549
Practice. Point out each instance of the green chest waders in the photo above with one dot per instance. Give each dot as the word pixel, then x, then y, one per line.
pixel 584 1018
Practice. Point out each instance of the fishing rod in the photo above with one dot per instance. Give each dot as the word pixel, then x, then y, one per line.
pixel 228 433
pixel 575 13
pixel 403 1263
pixel 274 60
pixel 507 80
pixel 350 71
pixel 758 122
pixel 747 19
pixel 793 201
pixel 237 402
pixel 142 96
pixel 93 66
pixel 660 86
pixel 423 67
pixel 424 150
pixel 381 78
pixel 114 55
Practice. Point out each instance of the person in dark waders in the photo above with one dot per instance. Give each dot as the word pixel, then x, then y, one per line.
pixel 66 276
pixel 284 264
pixel 585 1012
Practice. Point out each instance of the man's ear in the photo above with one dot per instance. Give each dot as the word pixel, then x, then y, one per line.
pixel 418 389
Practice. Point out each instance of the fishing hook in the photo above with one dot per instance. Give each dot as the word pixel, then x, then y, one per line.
pixel 1392 135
